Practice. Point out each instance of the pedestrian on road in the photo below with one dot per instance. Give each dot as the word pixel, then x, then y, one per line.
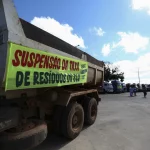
pixel 144 91
pixel 134 91
pixel 131 90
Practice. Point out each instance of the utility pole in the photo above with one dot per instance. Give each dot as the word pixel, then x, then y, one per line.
pixel 139 76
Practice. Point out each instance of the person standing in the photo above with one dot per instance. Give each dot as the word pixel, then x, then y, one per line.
pixel 134 91
pixel 144 91
pixel 131 90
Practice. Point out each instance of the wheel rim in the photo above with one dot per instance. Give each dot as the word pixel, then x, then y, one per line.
pixel 93 111
pixel 76 120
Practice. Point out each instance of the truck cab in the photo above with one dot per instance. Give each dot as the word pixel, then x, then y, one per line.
pixel 117 86
pixel 124 88
pixel 107 87
pixel 148 87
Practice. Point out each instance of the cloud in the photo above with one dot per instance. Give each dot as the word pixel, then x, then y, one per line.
pixel 62 31
pixel 141 5
pixel 98 31
pixel 132 42
pixel 106 49
pixel 129 42
pixel 130 68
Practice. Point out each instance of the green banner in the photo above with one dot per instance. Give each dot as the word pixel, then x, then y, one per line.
pixel 31 68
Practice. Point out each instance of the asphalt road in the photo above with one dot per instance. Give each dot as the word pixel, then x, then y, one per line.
pixel 123 123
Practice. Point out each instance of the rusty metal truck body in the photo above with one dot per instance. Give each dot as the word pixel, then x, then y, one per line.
pixel 26 112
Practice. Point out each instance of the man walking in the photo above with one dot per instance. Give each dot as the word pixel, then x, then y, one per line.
pixel 144 91
pixel 131 90
pixel 134 91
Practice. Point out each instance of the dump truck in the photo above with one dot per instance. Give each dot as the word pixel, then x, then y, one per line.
pixel 45 83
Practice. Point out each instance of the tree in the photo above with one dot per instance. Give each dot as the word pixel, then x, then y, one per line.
pixel 112 72
pixel 107 71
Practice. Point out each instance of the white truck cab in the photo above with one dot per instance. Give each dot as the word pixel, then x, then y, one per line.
pixel 107 87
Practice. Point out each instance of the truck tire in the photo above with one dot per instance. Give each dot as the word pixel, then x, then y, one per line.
pixel 90 110
pixel 72 120
pixel 57 119
pixel 26 139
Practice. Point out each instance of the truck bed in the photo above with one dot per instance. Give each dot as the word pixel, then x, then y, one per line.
pixel 18 31
pixel 41 36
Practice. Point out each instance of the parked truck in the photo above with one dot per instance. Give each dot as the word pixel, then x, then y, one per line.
pixel 107 87
pixel 117 86
pixel 44 82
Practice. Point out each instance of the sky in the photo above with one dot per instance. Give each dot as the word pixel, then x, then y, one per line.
pixel 117 31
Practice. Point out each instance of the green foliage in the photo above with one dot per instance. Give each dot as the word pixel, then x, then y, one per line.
pixel 112 72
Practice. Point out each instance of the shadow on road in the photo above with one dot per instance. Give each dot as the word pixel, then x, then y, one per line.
pixel 53 142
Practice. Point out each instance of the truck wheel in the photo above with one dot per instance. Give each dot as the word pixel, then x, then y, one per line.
pixel 57 119
pixel 90 110
pixel 72 120
pixel 27 137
